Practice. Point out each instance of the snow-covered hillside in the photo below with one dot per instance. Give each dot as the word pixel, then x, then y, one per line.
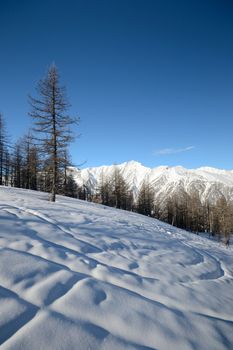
pixel 210 183
pixel 76 275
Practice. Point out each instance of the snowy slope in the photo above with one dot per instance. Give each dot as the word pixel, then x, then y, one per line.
pixel 76 275
pixel 210 183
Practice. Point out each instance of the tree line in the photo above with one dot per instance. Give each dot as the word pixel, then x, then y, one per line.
pixel 183 210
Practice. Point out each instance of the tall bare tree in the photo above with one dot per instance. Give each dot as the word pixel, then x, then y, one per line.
pixel 52 124
pixel 4 140
pixel 17 164
pixel 120 190
pixel 145 202
pixel 105 189
pixel 30 167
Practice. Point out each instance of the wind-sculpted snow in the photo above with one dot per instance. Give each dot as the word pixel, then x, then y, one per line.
pixel 76 275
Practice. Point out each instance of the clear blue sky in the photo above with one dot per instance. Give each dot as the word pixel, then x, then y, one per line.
pixel 152 80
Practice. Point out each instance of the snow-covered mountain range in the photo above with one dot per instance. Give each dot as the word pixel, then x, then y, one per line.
pixel 210 183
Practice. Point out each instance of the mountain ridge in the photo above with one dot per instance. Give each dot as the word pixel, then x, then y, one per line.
pixel 210 183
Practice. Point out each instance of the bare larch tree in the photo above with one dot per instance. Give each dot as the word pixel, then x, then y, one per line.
pixel 4 140
pixel 52 125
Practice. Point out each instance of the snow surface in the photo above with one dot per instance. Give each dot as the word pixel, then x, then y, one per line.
pixel 76 275
pixel 210 183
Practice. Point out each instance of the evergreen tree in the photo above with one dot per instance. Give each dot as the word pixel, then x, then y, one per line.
pixel 71 188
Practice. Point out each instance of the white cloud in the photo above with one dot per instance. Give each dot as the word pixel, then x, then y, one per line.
pixel 167 151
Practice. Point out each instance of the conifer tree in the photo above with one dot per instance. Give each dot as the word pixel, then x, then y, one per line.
pixel 120 190
pixel 4 154
pixel 52 125
pixel 105 190
pixel 145 202
pixel 17 165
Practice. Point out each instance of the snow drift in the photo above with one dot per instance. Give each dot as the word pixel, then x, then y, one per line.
pixel 76 275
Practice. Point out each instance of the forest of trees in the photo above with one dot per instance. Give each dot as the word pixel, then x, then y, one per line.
pixel 40 161
pixel 182 210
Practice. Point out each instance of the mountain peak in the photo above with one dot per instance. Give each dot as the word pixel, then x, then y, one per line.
pixel 133 162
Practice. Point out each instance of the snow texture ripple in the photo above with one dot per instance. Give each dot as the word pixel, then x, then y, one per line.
pixel 76 275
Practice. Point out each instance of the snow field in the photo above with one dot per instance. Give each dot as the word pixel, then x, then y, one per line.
pixel 76 275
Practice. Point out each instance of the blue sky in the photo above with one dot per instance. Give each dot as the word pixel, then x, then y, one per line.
pixel 151 80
